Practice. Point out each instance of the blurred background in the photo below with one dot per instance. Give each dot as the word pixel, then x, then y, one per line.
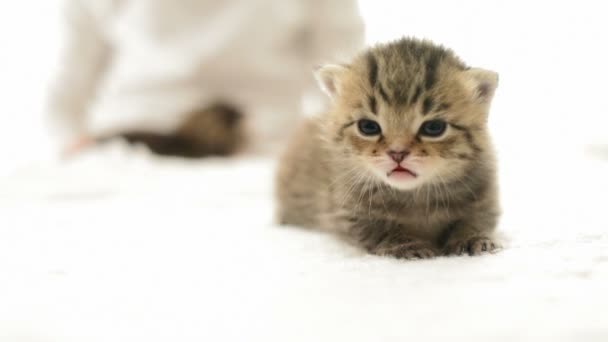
pixel 550 56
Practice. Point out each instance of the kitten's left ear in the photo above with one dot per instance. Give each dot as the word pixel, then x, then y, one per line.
pixel 482 83
pixel 329 78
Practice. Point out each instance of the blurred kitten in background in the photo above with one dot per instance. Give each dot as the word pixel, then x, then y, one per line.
pixel 194 77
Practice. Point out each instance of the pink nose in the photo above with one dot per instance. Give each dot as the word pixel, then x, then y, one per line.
pixel 398 156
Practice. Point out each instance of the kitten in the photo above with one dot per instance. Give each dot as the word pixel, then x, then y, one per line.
pixel 214 131
pixel 402 164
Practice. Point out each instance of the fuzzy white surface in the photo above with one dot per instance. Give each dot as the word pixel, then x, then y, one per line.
pixel 123 246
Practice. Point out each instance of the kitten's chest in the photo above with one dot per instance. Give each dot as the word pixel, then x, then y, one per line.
pixel 419 214
pixel 428 221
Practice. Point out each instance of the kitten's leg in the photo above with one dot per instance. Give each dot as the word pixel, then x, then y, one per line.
pixel 473 235
pixel 389 239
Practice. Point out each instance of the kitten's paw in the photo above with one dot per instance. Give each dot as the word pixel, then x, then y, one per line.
pixel 410 250
pixel 472 246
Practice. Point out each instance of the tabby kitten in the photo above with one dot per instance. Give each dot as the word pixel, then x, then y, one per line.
pixel 402 164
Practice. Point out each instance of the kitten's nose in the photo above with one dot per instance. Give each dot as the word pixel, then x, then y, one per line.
pixel 398 156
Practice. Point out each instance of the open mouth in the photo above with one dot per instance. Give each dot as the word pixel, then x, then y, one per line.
pixel 400 171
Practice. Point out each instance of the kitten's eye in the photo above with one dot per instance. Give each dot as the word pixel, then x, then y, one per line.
pixel 433 128
pixel 369 127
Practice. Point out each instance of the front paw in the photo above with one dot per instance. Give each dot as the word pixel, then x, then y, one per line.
pixel 472 246
pixel 409 250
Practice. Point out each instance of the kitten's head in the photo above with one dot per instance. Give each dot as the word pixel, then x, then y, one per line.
pixel 409 112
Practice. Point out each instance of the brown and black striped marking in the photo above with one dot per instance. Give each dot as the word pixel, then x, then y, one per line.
pixel 406 74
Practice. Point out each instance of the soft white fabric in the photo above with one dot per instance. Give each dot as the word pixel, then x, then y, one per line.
pixel 122 246
pixel 143 64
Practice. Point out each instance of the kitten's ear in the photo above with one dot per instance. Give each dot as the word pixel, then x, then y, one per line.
pixel 482 83
pixel 329 78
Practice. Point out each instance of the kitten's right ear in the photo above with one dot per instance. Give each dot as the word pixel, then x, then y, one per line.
pixel 329 78
pixel 482 83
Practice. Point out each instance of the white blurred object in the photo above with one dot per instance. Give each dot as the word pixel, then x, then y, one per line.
pixel 141 64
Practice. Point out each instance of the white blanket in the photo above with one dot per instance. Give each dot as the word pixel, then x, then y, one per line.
pixel 120 245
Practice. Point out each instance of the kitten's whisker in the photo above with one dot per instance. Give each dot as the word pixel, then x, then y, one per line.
pixel 356 185
pixel 354 182
pixel 341 176
pixel 436 197
pixel 362 190
pixel 448 194
pixel 427 203
pixel 464 184
pixel 381 189
pixel 369 188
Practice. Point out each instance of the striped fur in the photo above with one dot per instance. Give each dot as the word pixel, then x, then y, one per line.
pixel 328 178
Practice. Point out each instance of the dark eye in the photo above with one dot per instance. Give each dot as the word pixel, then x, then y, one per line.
pixel 368 127
pixel 433 128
